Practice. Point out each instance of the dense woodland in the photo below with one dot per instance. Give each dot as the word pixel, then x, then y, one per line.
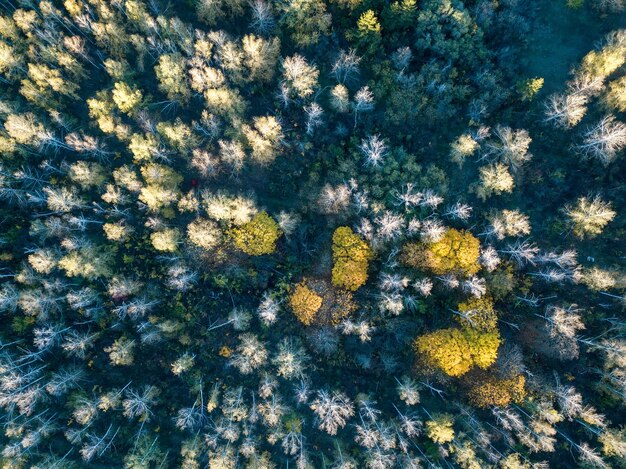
pixel 334 234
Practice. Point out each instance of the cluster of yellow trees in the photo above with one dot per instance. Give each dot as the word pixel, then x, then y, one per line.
pixel 456 351
pixel 315 301
pixel 456 252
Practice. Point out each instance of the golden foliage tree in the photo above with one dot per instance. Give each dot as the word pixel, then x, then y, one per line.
pixel 305 303
pixel 351 256
pixel 491 391
pixel 457 251
pixel 478 313
pixel 446 349
pixel 456 351
pixel 258 236
pixel 439 429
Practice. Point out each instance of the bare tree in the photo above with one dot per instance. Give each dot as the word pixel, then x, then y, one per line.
pixel 603 141
pixel 346 67
pixel 374 149
pixel 332 410
pixel 565 110
pixel 509 147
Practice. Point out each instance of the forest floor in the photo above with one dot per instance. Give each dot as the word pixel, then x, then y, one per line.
pixel 561 37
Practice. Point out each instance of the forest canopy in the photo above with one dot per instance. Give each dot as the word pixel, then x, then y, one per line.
pixel 335 234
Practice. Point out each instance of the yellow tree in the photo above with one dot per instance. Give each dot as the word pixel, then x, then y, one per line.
pixel 305 303
pixel 486 391
pixel 478 313
pixel 439 429
pixel 350 259
pixel 258 236
pixel 445 349
pixel 456 351
pixel 457 252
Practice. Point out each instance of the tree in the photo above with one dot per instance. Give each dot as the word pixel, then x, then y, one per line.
pixel 462 148
pixel 351 256
pixel 363 102
pixel 340 98
pixel 87 174
pixel 126 98
pixel 509 223
pixel 88 262
pixel 483 346
pixel 300 77
pixel 334 200
pixel 204 233
pixel 346 66
pixel 10 60
pixel 494 179
pixel 446 349
pixel 137 403
pixel 609 6
pixel 182 364
pixel 478 313
pixel 172 77
pixel 566 110
pixel 237 210
pixel 615 97
pixel 603 141
pixel 24 128
pixel 564 321
pixel 305 303
pixel 613 442
pixel 43 261
pixel 487 391
pixel 178 135
pixel 260 57
pixel 456 351
pixel 408 391
pixel 116 231
pixel 121 351
pixel 212 11
pixel 291 359
pixel 143 147
pixel 603 62
pixel 332 410
pixel 264 139
pixel 165 240
pixel 258 236
pixel 529 88
pixel 262 16
pixel 307 20
pixel 589 216
pixel 598 279
pixel 249 355
pixel 43 78
pixel 367 31
pixel 439 429
pixel 374 150
pixel 457 251
pixel 510 147
pixel 161 187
